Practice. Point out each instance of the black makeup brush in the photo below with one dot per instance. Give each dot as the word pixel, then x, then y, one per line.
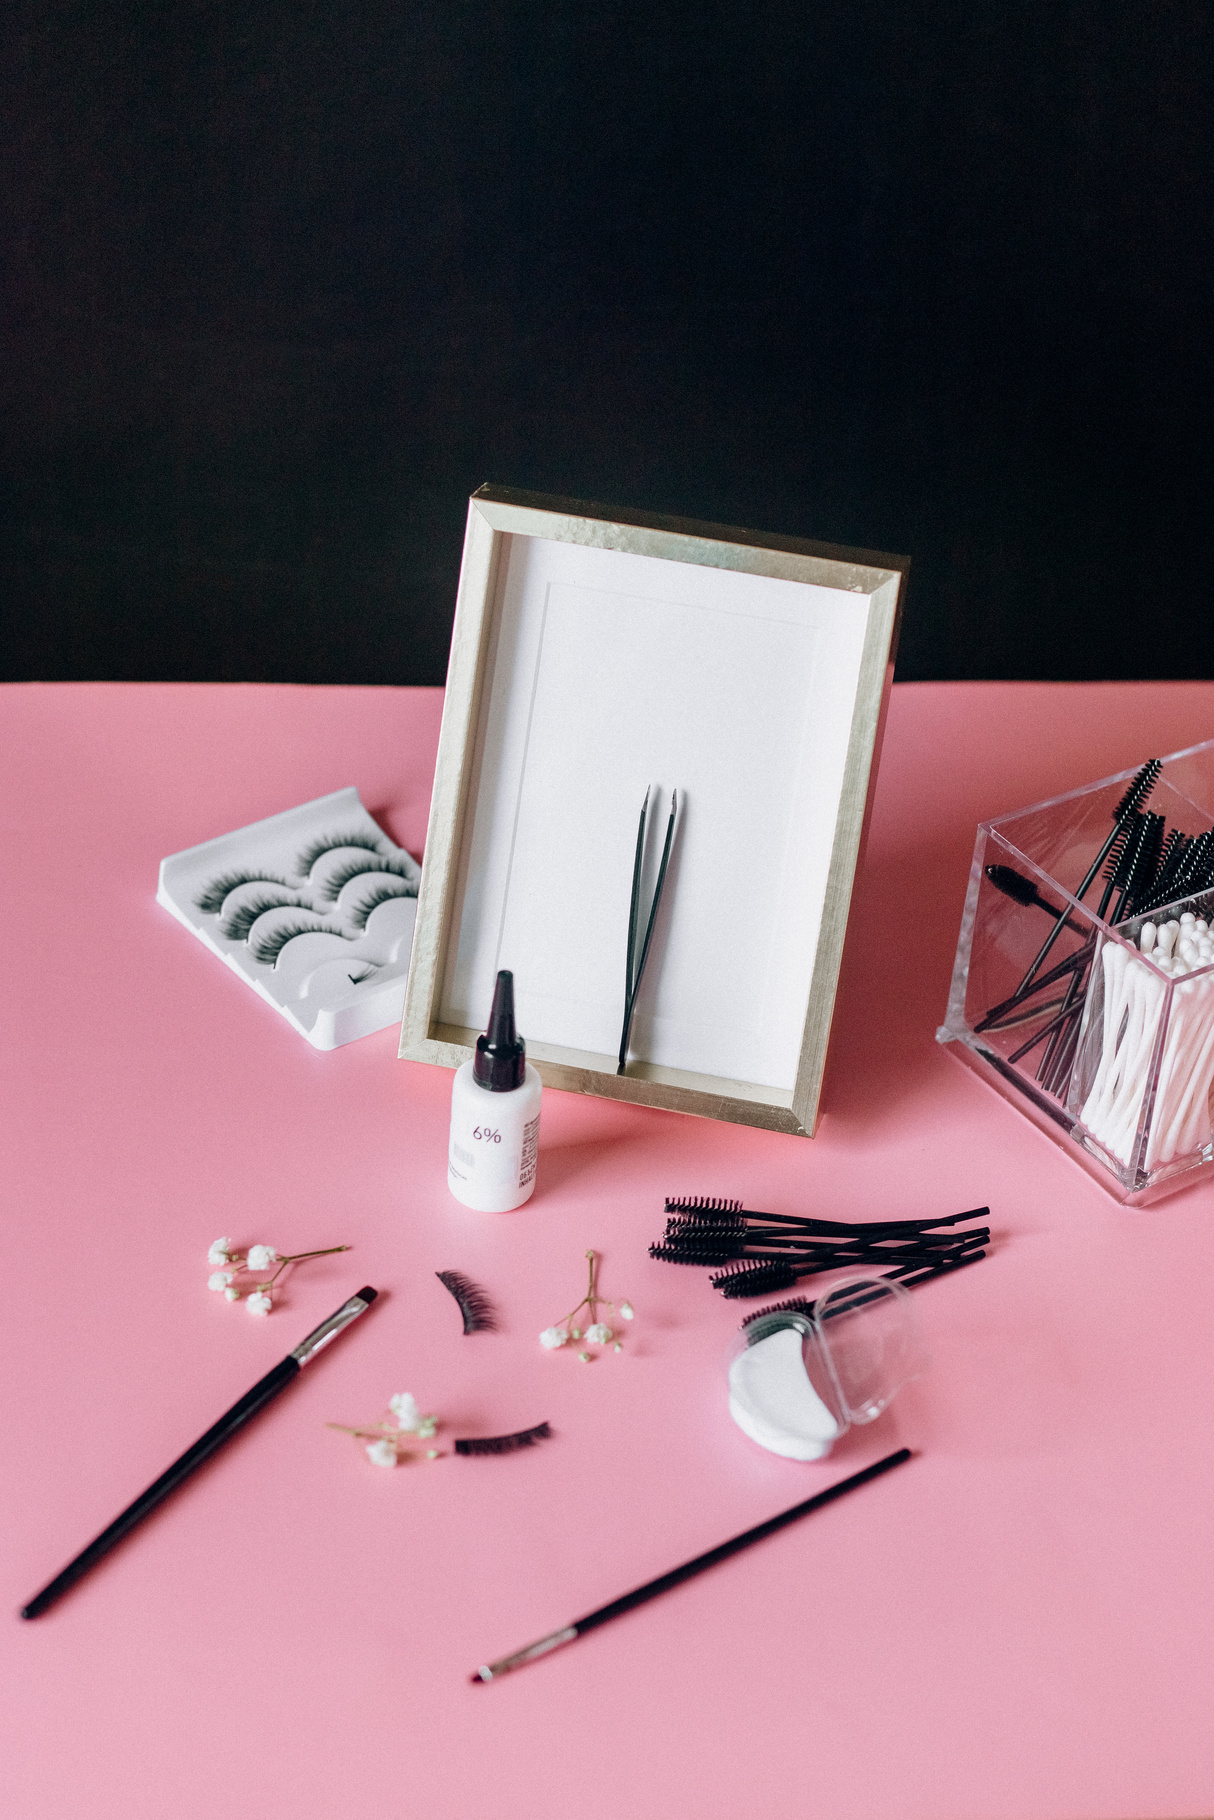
pixel 255 1400
pixel 1140 788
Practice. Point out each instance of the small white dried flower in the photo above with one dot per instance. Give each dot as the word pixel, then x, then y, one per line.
pixel 259 1302
pixel 232 1295
pixel 625 1311
pixel 220 1252
pixel 599 1333
pixel 432 1453
pixel 261 1257
pixel 426 1428
pixel 219 1279
pixel 576 1332
pixel 554 1336
pixel 381 1453
pixel 584 1357
pixel 617 1347
pixel 404 1407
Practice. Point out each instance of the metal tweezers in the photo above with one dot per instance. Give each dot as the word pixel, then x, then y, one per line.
pixel 635 968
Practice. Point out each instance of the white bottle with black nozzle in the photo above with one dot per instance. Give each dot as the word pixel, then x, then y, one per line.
pixel 495 1115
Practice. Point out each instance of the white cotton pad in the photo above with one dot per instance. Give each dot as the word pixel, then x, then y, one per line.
pixel 772 1400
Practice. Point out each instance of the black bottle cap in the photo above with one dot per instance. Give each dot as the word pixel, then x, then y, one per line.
pixel 500 1063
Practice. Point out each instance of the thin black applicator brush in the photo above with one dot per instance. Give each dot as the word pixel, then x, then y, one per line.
pixel 493 1671
pixel 253 1401
pixel 991 1020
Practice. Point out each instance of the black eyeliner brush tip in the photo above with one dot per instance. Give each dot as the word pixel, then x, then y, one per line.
pixel 367 1295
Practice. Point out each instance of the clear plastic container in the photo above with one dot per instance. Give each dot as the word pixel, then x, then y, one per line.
pixel 1124 1078
pixel 802 1373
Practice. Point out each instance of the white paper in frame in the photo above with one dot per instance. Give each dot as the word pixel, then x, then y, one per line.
pixel 598 653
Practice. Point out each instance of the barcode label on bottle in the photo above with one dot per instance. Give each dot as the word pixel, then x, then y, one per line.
pixel 463 1156
pixel 531 1144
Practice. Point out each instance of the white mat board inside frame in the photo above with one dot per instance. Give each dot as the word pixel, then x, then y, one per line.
pixel 598 653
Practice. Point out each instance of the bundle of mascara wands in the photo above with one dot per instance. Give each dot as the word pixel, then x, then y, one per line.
pixel 762 1253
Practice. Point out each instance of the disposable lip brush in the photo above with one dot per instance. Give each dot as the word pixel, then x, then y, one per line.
pixel 249 1405
pixel 493 1671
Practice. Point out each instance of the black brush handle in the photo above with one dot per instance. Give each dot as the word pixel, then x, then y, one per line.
pixel 850 1228
pixel 253 1400
pixel 493 1671
pixel 653 1588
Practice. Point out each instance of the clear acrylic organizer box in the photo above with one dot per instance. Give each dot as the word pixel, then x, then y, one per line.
pixel 1123 1084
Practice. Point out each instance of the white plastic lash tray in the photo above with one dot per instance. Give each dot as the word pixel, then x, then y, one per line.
pixel 314 908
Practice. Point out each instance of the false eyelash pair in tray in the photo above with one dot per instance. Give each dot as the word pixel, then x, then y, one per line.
pixel 802 1373
pixel 314 908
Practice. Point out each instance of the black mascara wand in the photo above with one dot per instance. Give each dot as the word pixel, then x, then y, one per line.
pixel 1022 890
pixel 635 967
pixel 751 1279
pixel 1140 788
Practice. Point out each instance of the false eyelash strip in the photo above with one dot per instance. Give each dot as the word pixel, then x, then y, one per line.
pixel 267 948
pixel 354 868
pixel 210 899
pixel 480 1316
pixel 328 843
pixel 526 1437
pixel 382 894
pixel 238 925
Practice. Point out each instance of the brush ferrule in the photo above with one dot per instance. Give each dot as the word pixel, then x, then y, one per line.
pixel 492 1670
pixel 321 1336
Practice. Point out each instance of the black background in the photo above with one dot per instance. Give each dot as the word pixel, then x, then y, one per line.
pixel 283 281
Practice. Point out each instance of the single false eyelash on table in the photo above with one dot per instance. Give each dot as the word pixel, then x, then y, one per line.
pixel 314 908
pixel 526 1437
pixel 478 1311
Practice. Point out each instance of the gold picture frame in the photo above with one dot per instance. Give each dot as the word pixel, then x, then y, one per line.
pixel 595 650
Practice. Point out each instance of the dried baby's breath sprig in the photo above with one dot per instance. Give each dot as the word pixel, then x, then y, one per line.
pixel 256 1258
pixel 596 1332
pixel 402 1421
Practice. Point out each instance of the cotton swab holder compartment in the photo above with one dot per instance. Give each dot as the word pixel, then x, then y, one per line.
pixel 802 1373
pixel 1110 1048
pixel 313 908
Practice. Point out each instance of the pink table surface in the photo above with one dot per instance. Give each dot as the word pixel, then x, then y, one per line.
pixel 1018 1623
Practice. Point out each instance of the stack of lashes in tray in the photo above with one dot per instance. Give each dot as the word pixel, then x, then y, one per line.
pixel 762 1253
